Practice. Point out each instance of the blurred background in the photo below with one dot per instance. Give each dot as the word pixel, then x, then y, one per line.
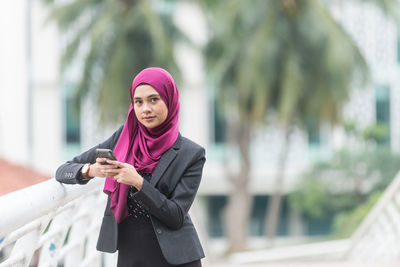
pixel 296 101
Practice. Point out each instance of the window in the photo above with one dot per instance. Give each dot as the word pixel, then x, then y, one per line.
pixel 215 223
pixel 259 216
pixel 71 127
pixel 219 126
pixel 314 137
pixel 257 219
pixel 215 206
pixel 317 226
pixel 72 116
pixel 398 50
pixel 382 105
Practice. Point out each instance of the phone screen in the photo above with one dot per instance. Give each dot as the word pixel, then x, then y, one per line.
pixel 105 153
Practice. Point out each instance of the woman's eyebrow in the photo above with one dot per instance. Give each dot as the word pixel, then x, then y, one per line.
pixel 149 96
pixel 153 95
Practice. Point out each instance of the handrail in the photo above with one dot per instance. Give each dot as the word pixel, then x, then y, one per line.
pixel 49 220
pixel 379 207
pixel 378 236
pixel 21 207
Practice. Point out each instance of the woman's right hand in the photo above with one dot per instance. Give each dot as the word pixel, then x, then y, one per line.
pixel 100 170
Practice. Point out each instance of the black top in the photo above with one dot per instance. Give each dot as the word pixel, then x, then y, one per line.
pixel 135 207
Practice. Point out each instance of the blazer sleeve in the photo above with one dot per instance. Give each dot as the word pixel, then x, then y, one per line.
pixel 172 210
pixel 69 172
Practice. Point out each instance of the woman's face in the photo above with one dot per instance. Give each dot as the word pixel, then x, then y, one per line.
pixel 150 109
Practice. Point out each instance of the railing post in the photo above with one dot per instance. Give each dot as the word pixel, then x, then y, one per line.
pixel 25 246
pixel 59 222
pixel 57 233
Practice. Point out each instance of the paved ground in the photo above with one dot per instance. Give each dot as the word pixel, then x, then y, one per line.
pixel 305 264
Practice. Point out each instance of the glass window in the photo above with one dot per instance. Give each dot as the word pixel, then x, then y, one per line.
pixel 257 221
pixel 398 50
pixel 72 116
pixel 219 125
pixel 259 215
pixel 382 96
pixel 317 226
pixel 314 136
pixel 71 125
pixel 215 206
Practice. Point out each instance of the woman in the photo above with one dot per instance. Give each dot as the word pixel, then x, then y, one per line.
pixel 153 182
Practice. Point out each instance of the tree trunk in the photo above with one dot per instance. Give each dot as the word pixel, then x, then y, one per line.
pixel 274 204
pixel 237 210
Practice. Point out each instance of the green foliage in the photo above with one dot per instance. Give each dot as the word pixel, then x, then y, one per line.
pixel 346 187
pixel 116 39
pixel 314 199
pixel 350 127
pixel 385 165
pixel 310 191
pixel 378 133
pixel 345 223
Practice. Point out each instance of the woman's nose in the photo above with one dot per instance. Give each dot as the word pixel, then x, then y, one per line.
pixel 146 107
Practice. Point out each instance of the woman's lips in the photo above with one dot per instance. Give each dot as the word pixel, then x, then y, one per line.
pixel 150 118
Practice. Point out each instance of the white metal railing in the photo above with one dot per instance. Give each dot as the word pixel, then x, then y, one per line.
pixel 51 223
pixel 378 237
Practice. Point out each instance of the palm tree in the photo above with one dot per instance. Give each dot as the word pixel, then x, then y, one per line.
pixel 285 56
pixel 323 84
pixel 117 39
pixel 316 74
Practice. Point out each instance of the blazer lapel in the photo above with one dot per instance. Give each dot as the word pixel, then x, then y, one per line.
pixel 165 160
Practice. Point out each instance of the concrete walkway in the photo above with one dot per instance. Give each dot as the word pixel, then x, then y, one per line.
pixel 304 264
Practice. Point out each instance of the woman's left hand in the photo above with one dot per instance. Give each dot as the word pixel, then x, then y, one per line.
pixel 126 174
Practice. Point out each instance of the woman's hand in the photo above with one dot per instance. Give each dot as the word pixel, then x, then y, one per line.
pixel 101 170
pixel 125 173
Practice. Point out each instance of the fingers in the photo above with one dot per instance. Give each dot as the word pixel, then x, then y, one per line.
pixel 110 170
pixel 116 163
pixel 118 178
pixel 113 163
pixel 113 168
pixel 111 174
pixel 101 161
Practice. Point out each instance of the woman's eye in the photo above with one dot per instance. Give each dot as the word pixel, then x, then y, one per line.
pixel 154 99
pixel 138 102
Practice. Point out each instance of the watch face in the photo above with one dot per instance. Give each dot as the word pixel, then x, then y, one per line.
pixel 85 168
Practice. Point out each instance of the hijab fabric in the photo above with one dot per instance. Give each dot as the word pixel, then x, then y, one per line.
pixel 140 146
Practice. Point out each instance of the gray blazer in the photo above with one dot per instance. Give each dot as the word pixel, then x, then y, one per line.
pixel 167 198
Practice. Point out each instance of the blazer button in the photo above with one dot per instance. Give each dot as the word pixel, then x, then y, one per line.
pixel 158 231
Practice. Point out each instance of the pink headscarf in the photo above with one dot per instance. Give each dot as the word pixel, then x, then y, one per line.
pixel 140 146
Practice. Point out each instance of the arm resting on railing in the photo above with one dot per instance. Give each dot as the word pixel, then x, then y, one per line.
pixel 70 172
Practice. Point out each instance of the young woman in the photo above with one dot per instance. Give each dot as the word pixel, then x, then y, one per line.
pixel 153 182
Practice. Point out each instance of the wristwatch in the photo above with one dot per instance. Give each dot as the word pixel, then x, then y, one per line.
pixel 85 172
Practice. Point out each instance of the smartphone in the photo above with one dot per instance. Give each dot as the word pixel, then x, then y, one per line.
pixel 105 153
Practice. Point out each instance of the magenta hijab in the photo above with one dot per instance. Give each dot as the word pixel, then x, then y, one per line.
pixel 140 146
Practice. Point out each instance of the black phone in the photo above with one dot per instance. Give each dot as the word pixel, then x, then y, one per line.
pixel 105 153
